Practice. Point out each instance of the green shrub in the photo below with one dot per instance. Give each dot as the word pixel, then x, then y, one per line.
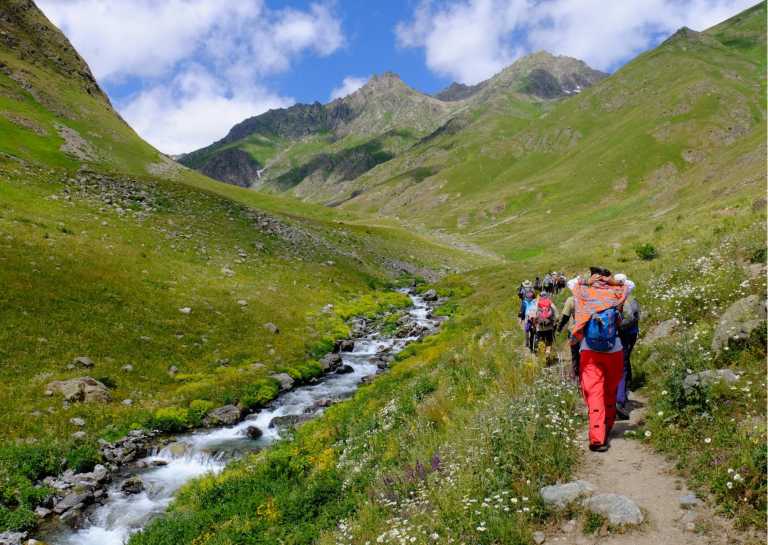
pixel 198 408
pixel 83 458
pixel 646 251
pixel 171 419
pixel 259 393
pixel 19 519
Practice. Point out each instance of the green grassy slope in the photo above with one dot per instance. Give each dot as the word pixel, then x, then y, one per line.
pixel 103 240
pixel 671 129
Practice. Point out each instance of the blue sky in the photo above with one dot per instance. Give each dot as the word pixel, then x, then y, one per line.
pixel 182 72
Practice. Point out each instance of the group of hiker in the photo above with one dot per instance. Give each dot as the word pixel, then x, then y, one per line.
pixel 603 319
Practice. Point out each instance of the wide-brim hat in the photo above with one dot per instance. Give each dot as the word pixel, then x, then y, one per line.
pixel 527 284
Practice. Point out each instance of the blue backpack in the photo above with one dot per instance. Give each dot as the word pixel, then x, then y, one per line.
pixel 600 333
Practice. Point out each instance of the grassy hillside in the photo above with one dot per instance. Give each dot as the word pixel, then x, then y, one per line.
pixel 662 136
pixel 103 242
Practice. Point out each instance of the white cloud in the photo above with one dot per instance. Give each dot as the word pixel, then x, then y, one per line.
pixel 200 64
pixel 349 85
pixel 193 110
pixel 470 40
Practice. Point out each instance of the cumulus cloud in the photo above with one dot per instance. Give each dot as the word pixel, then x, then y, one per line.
pixel 349 85
pixel 194 109
pixel 201 65
pixel 470 40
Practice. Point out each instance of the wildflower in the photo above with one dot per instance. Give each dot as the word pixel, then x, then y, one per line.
pixel 664 392
pixel 729 484
pixel 707 440
pixel 647 433
pixel 660 413
pixel 737 477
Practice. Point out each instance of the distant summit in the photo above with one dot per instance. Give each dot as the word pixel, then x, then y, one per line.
pixel 539 74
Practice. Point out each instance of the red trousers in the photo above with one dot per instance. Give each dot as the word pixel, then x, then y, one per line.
pixel 600 374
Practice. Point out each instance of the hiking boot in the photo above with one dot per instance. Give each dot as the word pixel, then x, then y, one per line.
pixel 597 447
pixel 621 413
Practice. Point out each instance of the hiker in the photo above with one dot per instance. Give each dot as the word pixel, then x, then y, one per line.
pixel 537 285
pixel 598 301
pixel 628 331
pixel 560 282
pixel 526 305
pixel 568 313
pixel 524 287
pixel 548 284
pixel 545 319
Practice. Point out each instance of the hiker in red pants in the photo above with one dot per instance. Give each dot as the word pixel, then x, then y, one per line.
pixel 598 301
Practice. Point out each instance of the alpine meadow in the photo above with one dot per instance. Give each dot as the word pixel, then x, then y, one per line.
pixel 310 331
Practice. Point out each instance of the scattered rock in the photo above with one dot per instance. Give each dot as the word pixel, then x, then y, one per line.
pixel 347 345
pixel 127 402
pixel 739 321
pixel 223 416
pixel 83 361
pixel 661 331
pixel 285 380
pixel 178 449
pixel 689 501
pixel 345 369
pixel 74 517
pixel 321 403
pixel 79 422
pixel 253 432
pixel 242 302
pixel 12 538
pixel 133 485
pixel 331 361
pixel 272 328
pixel 79 436
pixel 85 389
pixel 185 310
pixel 127 368
pixel 42 512
pixel 561 495
pixel 539 538
pixel 619 510
pixel 569 526
pixel 71 501
pixel 429 295
pixel 710 376
pixel 289 421
pixel 172 370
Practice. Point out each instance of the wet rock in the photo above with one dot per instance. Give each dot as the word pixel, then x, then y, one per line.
pixel 322 403
pixel 272 328
pixel 429 295
pixel 289 421
pixel 347 345
pixel 12 538
pixel 223 416
pixel 285 380
pixel 661 331
pixel 133 485
pixel 74 517
pixel 689 501
pixel 561 495
pixel 331 361
pixel 619 510
pixel 85 389
pixel 178 449
pixel 253 432
pixel 71 501
pixel 344 369
pixel 739 321
pixel 539 538
pixel 83 361
pixel 710 376
pixel 42 512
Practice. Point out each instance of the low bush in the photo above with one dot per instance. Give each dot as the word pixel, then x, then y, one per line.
pixel 171 419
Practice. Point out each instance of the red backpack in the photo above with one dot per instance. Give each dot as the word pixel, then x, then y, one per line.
pixel 544 315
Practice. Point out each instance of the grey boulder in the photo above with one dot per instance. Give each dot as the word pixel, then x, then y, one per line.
pixel 331 361
pixel 710 376
pixel 619 510
pixel 661 331
pixel 84 389
pixel 739 321
pixel 429 295
pixel 561 495
pixel 285 380
pixel 12 538
pixel 133 485
pixel 223 416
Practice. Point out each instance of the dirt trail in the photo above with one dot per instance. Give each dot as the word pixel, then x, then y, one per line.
pixel 632 469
